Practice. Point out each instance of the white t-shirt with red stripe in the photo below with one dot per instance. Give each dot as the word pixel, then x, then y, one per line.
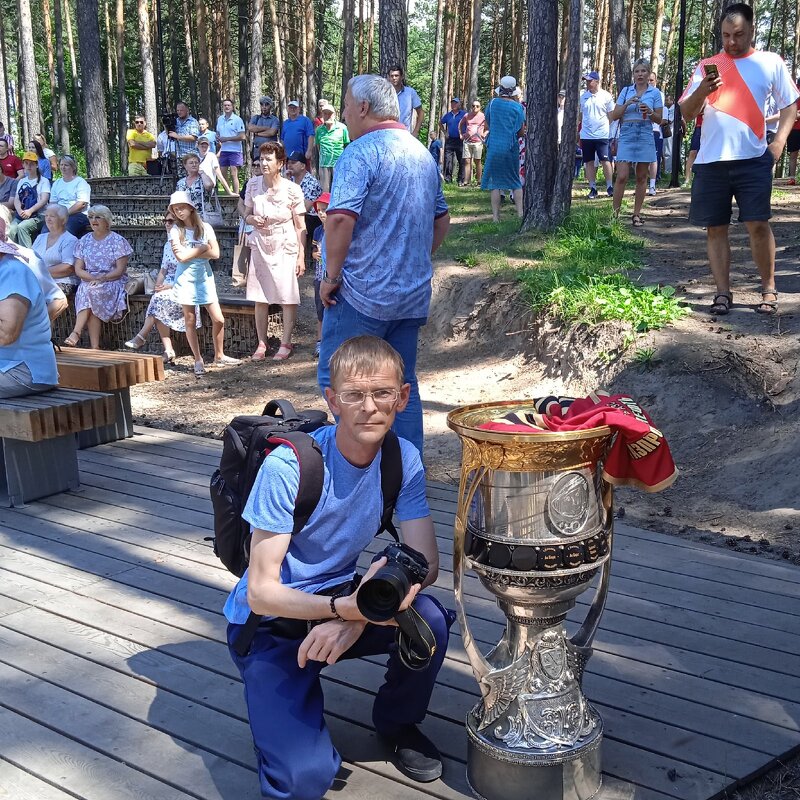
pixel 733 123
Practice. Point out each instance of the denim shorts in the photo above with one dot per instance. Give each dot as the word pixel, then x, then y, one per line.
pixel 715 185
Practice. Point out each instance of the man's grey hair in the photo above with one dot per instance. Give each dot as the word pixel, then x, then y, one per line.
pixel 378 92
pixel 58 210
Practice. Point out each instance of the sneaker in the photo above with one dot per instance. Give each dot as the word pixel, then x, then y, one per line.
pixel 651 191
pixel 316 349
pixel 226 361
pixel 415 755
pixel 610 191
pixel 592 193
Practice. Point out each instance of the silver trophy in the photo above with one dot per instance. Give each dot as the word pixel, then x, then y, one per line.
pixel 534 522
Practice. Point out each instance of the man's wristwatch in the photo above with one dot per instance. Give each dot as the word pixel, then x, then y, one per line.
pixel 333 281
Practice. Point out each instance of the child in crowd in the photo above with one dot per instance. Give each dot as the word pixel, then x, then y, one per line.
pixel 318 257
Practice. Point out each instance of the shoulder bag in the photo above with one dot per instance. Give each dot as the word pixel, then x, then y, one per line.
pixel 213 215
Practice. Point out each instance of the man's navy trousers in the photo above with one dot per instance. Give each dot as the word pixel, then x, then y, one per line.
pixel 296 758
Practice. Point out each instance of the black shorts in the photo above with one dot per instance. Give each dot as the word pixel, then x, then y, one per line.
pixel 592 147
pixel 695 143
pixel 793 141
pixel 715 185
pixel 318 305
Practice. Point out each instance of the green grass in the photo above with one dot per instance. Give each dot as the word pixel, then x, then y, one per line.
pixel 580 272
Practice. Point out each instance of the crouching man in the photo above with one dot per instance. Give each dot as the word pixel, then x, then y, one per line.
pixel 292 579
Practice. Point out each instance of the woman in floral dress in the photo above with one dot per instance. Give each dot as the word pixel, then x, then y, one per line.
pixel 196 183
pixel 164 311
pixel 274 206
pixel 101 262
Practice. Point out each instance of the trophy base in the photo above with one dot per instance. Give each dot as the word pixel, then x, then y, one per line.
pixel 492 778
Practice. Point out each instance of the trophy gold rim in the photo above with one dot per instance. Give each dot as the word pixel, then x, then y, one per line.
pixel 465 419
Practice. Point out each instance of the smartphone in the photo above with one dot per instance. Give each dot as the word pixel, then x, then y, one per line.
pixel 712 70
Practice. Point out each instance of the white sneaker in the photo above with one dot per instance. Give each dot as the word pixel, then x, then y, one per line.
pixel 652 191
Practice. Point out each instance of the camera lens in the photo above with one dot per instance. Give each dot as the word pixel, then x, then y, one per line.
pixel 380 597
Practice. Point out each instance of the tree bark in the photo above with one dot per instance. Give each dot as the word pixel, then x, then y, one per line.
pixel 658 27
pixel 4 105
pixel 392 34
pixel 256 55
pixel 348 7
pixel 76 85
pixel 148 75
pixel 548 173
pixel 372 34
pixel 311 59
pixel 94 99
pixel 51 69
pixel 28 76
pixel 277 54
pixel 673 26
pixel 475 54
pixel 437 56
pixel 202 59
pixel 620 43
pixel 796 45
pixel 360 36
pixel 62 132
pixel 602 39
pixel 187 35
pixel 122 105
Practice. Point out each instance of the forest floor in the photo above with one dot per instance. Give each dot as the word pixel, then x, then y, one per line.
pixel 725 391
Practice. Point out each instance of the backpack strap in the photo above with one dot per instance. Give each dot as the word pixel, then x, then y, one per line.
pixel 309 492
pixel 391 481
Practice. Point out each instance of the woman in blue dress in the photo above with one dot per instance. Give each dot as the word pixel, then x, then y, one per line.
pixel 638 107
pixel 505 122
pixel 193 244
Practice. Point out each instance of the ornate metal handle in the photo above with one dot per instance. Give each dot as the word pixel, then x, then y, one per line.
pixel 480 666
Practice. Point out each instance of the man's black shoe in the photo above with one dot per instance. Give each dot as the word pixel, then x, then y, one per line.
pixel 415 755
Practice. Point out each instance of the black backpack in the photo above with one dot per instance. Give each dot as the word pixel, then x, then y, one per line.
pixel 247 441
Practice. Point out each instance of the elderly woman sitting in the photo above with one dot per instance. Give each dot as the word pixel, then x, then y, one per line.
pixel 101 263
pixel 27 360
pixel 56 248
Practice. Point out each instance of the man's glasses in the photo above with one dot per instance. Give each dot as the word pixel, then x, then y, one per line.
pixel 139 122
pixel 169 221
pixel 381 397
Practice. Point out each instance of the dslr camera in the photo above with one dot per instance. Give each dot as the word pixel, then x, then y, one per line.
pixel 380 597
pixel 170 122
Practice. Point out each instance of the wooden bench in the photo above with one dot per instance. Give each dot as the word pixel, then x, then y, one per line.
pixel 39 442
pixel 112 372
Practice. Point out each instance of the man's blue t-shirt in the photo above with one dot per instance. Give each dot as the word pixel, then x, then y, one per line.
pixel 435 149
pixel 387 180
pixel 344 522
pixel 296 133
pixel 408 100
pixel 452 121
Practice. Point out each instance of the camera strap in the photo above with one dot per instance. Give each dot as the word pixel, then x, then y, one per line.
pixel 416 643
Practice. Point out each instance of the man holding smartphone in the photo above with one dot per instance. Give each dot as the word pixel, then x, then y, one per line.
pixel 734 160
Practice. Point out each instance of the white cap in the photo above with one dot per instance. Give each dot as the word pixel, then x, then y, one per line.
pixel 294 103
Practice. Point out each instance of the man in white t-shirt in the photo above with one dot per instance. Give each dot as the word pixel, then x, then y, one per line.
pixel 596 106
pixel 230 135
pixel 734 159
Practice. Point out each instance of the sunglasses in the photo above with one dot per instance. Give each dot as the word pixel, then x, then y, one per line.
pixel 139 122
pixel 169 221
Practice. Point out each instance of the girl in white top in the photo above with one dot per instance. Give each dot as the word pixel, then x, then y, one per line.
pixel 74 193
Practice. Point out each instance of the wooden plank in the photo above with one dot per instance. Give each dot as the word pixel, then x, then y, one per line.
pixel 95 377
pixel 17 422
pixel 148 367
pixel 16 784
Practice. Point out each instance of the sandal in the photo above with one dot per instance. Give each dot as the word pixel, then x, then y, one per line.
pixel 72 340
pixel 722 304
pixel 199 369
pixel 637 221
pixel 260 353
pixel 137 343
pixel 226 361
pixel 284 351
pixel 169 356
pixel 766 306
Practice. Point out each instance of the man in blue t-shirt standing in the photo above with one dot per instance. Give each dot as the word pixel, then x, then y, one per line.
pixel 411 111
pixel 298 579
pixel 453 146
pixel 297 132
pixel 386 218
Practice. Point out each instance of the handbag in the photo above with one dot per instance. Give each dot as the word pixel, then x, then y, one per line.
pixel 666 130
pixel 134 286
pixel 150 281
pixel 213 216
pixel 241 261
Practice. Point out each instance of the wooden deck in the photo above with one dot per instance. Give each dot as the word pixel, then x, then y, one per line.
pixel 115 681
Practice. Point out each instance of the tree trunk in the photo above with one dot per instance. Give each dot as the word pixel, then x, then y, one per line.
pixel 437 56
pixel 372 34
pixel 311 60
pixel 243 34
pixel 76 84
pixel 122 105
pixel 4 105
pixel 658 27
pixel 148 75
pixel 392 34
pixel 796 45
pixel 563 51
pixel 360 37
pixel 62 132
pixel 51 69
pixel 637 27
pixel 202 59
pixel 108 48
pixel 348 7
pixel 620 43
pixel 277 54
pixel 548 173
pixel 21 104
pixel 602 39
pixel 94 99
pixel 447 68
pixel 256 55
pixel 673 26
pixel 187 35
pixel 28 77
pixel 475 54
